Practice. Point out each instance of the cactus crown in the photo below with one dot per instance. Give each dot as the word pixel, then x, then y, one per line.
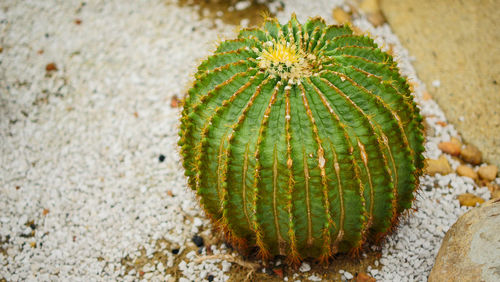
pixel 301 140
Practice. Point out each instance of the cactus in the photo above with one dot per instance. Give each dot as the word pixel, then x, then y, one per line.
pixel 301 140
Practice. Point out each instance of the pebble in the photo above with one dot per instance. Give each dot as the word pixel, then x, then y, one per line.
pixel 197 222
pixel 348 275
pixel 494 190
pixel 242 5
pixel 456 141
pixel 161 158
pixel 495 194
pixel 488 172
pixel 278 272
pixel 304 267
pixel 469 200
pixel 363 277
pixel 197 240
pixel 467 171
pixel 341 16
pixel 471 154
pixel 175 102
pixel 51 67
pixel 441 166
pixel 371 8
pixel 450 148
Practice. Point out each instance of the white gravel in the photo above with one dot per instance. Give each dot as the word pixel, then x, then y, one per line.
pixel 80 146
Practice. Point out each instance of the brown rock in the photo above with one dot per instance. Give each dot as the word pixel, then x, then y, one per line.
pixel 341 16
pixel 363 277
pixel 471 248
pixel 449 148
pixel 175 102
pixel 51 67
pixel 469 200
pixel 495 194
pixel 440 166
pixel 471 154
pixel 455 141
pixel 493 187
pixel 371 8
pixel 488 172
pixel 465 170
pixel 442 123
pixel 278 272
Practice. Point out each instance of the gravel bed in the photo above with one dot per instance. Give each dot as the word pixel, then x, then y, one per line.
pixel 90 176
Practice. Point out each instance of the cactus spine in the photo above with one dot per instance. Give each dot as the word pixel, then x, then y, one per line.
pixel 301 140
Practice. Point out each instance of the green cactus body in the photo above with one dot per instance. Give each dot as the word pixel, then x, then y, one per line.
pixel 301 140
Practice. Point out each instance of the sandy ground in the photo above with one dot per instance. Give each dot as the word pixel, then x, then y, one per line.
pixel 465 62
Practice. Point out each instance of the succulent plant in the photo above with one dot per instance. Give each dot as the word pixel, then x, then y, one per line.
pixel 301 140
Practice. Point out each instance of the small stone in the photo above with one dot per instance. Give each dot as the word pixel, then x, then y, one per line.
pixel 456 141
pixel 175 251
pixel 495 194
pixel 493 187
pixel 51 67
pixel 471 154
pixel 278 272
pixel 78 22
pixel 45 211
pixel 467 171
pixel 160 267
pixel 449 148
pixel 341 16
pixel 469 200
pixel 348 275
pixel 441 166
pixel 210 278
pixel 442 123
pixel 161 158
pixel 363 277
pixel 175 102
pixel 373 13
pixel 304 267
pixel 197 222
pixel 226 266
pixel 488 172
pixel 197 240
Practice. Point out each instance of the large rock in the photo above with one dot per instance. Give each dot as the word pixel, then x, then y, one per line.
pixel 471 249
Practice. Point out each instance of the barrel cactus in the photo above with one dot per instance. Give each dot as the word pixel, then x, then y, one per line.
pixel 301 140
